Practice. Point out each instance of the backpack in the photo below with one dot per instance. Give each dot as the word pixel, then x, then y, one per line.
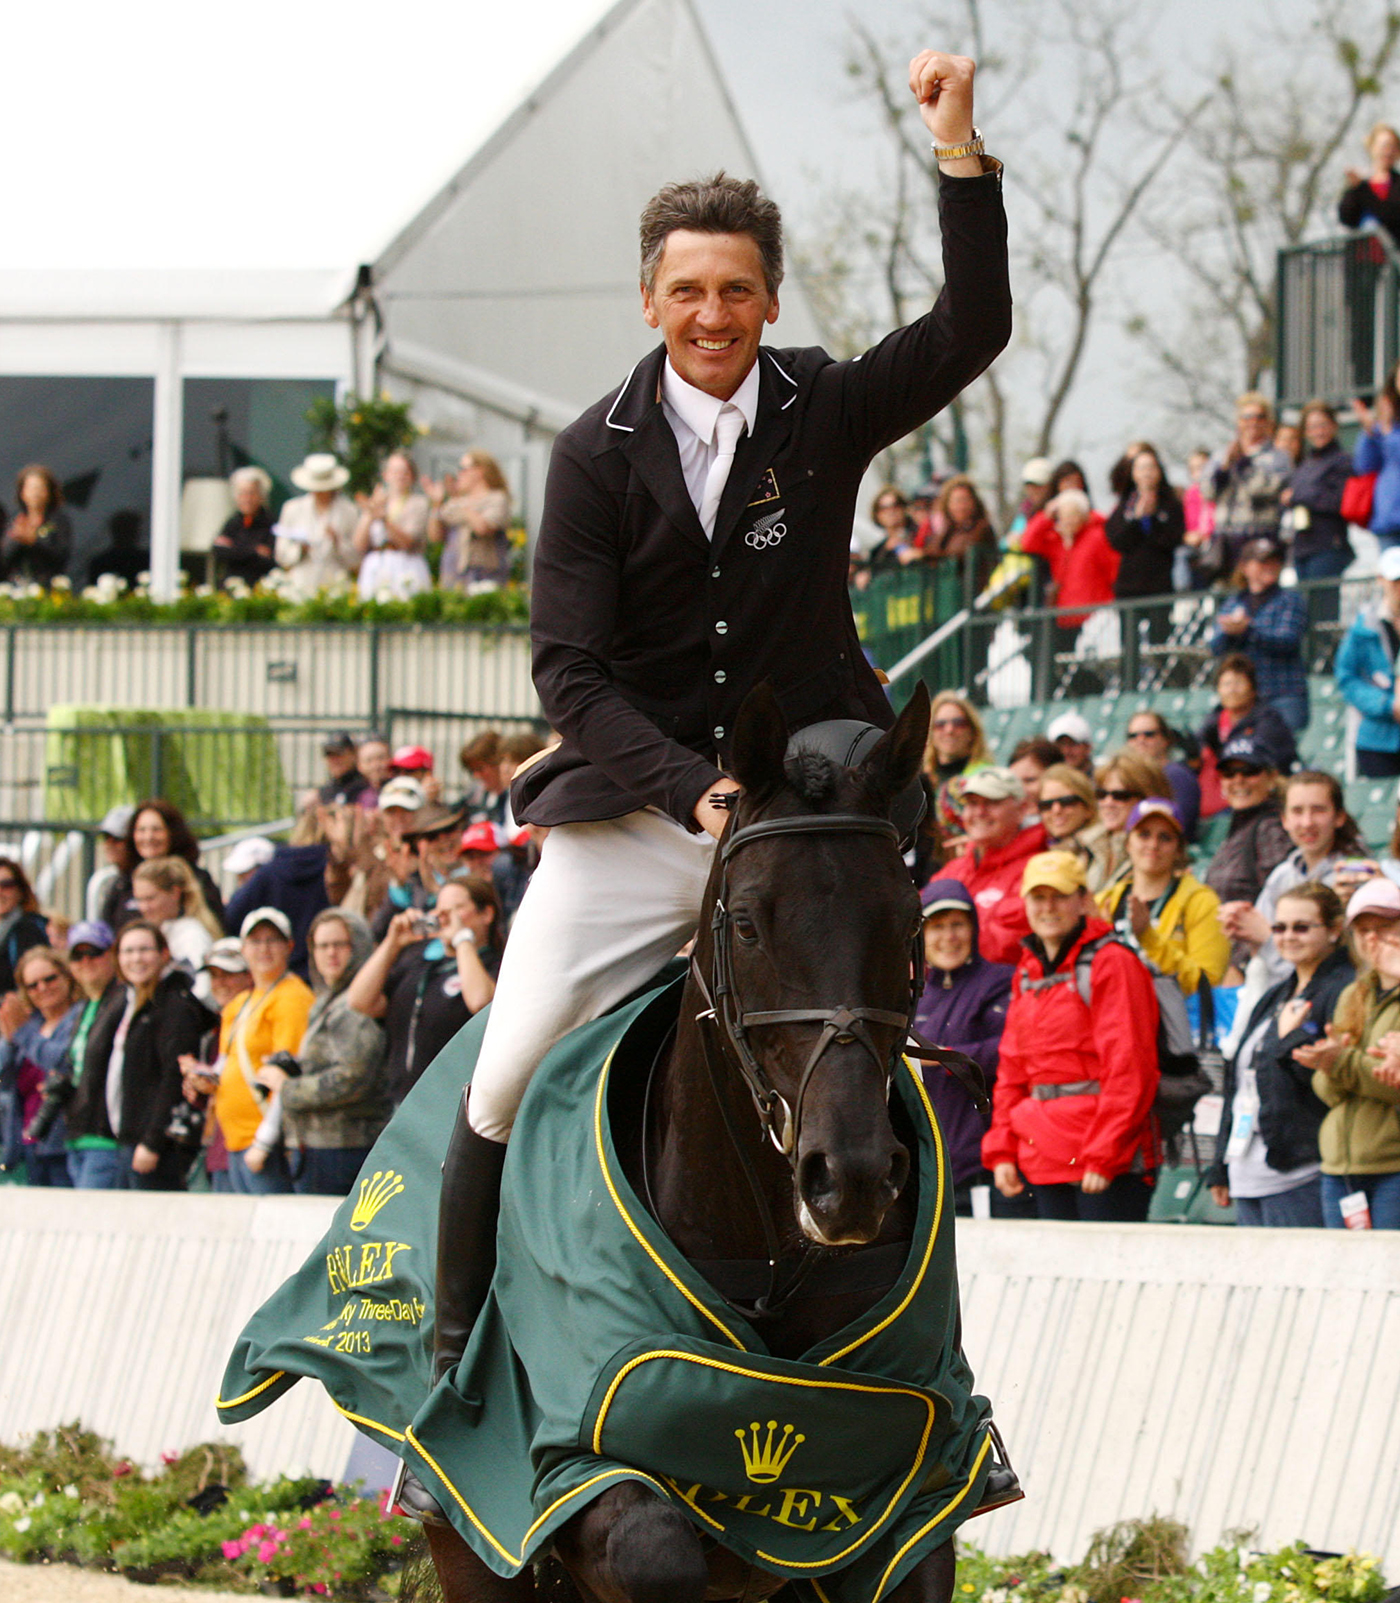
pixel 1183 1080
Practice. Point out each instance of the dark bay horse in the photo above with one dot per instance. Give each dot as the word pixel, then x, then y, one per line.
pixel 797 1004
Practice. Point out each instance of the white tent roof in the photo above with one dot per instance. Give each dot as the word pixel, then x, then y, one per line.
pixel 261 118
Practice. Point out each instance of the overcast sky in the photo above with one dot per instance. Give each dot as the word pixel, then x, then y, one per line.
pixel 783 60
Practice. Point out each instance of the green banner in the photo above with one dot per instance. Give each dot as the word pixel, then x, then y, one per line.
pixel 898 610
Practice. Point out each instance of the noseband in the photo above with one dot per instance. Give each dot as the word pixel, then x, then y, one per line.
pixel 726 1015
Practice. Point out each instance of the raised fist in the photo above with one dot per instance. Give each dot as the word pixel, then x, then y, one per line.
pixel 942 84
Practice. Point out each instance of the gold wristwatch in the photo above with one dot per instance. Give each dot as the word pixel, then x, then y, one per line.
pixel 973 147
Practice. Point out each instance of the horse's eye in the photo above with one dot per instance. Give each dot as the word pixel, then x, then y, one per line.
pixel 745 929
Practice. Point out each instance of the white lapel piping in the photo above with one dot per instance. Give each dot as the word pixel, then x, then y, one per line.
pixel 626 428
pixel 788 376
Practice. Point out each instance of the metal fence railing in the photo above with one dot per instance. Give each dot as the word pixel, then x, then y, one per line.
pixel 1338 319
pixel 1017 656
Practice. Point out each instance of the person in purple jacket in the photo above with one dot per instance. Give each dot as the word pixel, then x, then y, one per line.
pixel 963 1005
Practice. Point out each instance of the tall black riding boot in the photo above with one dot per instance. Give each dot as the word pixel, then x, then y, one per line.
pixel 466 1254
pixel 466 1261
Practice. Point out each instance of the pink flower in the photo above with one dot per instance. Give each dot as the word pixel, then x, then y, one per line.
pixel 124 1468
pixel 267 1551
pixel 396 1541
pixel 232 1550
pixel 320 1586
pixel 170 1458
pixel 335 1513
pixel 304 1524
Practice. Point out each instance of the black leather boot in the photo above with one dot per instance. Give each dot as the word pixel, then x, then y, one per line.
pixel 1002 1485
pixel 466 1254
pixel 466 1261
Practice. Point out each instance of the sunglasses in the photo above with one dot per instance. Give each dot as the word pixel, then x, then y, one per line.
pixel 1233 772
pixel 1143 734
pixel 1058 801
pixel 1117 795
pixel 35 981
pixel 951 723
pixel 1293 929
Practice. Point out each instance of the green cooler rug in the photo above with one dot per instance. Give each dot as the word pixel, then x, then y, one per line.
pixel 602 1355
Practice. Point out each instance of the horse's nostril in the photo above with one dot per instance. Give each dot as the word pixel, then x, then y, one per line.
pixel 814 1179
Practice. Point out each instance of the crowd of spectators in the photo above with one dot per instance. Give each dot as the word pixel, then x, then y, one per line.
pixel 258 1043
pixel 408 534
pixel 1065 892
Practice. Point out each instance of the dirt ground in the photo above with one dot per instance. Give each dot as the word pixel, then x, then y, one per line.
pixel 63 1583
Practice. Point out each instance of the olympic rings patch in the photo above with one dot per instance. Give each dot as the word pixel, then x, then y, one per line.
pixel 767 531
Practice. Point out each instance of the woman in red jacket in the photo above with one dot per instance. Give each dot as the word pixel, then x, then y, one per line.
pixel 1071 537
pixel 1072 1107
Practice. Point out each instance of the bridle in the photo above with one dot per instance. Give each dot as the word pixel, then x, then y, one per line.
pixel 724 1034
pixel 725 1022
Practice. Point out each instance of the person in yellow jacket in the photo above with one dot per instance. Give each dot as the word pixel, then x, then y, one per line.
pixel 1163 910
pixel 1353 1072
pixel 255 1024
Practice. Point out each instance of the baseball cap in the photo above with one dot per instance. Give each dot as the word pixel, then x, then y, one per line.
pixel 340 740
pixel 1070 726
pixel 1056 871
pixel 401 791
pixel 995 784
pixel 91 932
pixel 435 819
pixel 1262 549
pixel 116 821
pixel 1037 471
pixel 1251 751
pixel 412 759
pixel 1390 563
pixel 944 896
pixel 1155 806
pixel 481 837
pixel 246 855
pixel 227 956
pixel 266 915
pixel 1375 896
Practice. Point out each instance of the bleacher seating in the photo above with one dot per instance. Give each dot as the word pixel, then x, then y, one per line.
pixel 1323 744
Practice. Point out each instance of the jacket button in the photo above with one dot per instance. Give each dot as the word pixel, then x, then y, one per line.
pixel 721 628
pixel 720 676
pixel 719 731
pixel 714 573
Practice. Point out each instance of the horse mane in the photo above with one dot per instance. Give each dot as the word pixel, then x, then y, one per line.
pixel 812 776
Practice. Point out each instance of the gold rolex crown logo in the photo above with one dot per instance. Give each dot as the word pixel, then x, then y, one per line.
pixel 765 1460
pixel 381 1187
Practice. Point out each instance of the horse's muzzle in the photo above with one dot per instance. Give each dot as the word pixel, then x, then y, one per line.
pixel 842 1199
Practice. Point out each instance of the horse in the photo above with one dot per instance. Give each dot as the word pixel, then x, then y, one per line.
pixel 808 899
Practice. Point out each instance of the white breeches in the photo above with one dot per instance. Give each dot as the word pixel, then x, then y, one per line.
pixel 609 903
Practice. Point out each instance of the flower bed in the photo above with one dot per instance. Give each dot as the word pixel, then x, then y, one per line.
pixel 67 1497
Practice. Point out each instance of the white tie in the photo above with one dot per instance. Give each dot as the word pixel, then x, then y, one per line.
pixel 729 425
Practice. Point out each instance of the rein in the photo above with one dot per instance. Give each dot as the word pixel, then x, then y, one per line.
pixel 724 1033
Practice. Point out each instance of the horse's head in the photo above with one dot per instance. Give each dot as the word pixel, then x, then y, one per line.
pixel 809 953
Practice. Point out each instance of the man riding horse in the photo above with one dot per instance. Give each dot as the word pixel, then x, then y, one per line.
pixel 690 613
pixel 694 543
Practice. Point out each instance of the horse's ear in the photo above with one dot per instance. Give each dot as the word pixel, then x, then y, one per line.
pixel 759 747
pixel 899 754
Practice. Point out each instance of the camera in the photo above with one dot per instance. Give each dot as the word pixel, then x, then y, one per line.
pixel 186 1125
pixel 58 1093
pixel 426 924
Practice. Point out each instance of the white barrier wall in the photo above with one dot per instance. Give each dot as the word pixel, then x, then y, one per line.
pixel 121 1309
pixel 1232 1378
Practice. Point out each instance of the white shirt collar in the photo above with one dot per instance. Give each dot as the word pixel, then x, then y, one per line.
pixel 698 411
